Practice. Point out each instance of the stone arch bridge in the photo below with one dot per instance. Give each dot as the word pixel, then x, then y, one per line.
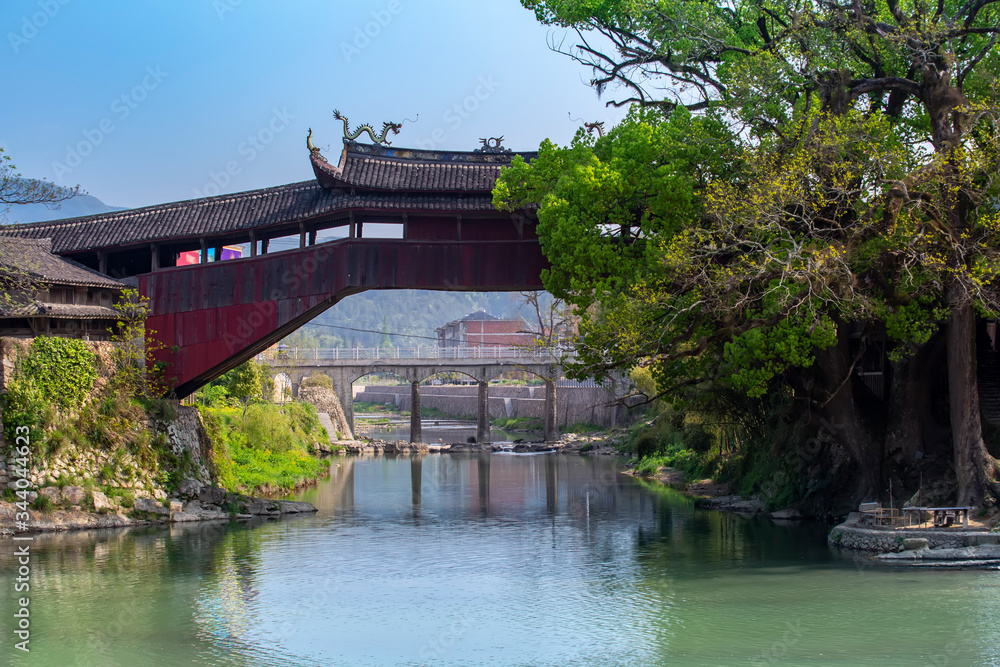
pixel 481 364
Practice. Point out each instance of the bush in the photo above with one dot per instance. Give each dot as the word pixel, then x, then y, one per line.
pixel 64 368
pixel 24 405
pixel 269 448
pixel 319 380
pixel 42 503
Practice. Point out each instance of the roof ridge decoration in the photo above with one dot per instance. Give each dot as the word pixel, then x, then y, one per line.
pixel 493 146
pixel 313 148
pixel 380 139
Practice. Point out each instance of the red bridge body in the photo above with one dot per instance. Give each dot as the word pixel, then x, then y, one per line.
pixel 209 318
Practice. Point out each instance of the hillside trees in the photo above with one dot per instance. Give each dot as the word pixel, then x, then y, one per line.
pixel 789 170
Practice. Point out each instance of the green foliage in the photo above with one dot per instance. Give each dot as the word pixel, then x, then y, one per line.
pixel 54 375
pixel 137 372
pixel 790 168
pixel 268 449
pixel 43 503
pixel 63 368
pixel 517 423
pixel 582 427
pixel 216 396
pixel 24 405
pixel 318 380
pixel 244 382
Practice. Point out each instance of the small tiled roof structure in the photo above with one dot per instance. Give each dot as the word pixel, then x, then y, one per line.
pixel 34 258
pixel 369 177
pixel 412 170
pixel 37 308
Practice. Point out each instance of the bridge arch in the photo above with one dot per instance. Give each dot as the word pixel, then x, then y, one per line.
pixel 344 372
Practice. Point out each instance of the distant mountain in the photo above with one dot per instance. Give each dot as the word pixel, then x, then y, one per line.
pixel 71 208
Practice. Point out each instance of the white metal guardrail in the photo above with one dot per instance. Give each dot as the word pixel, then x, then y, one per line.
pixel 422 352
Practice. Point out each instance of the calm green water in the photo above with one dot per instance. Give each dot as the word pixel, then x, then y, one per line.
pixel 491 560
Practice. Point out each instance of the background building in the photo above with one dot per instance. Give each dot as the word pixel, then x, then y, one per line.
pixel 482 329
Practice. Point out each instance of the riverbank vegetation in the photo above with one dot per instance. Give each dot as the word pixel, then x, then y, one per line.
pixel 88 424
pixel 794 230
pixel 266 447
pixel 94 422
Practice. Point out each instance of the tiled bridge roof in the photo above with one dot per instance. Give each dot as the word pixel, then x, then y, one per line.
pixel 368 178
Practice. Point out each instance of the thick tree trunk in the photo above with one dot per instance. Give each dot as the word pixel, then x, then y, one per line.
pixel 974 467
pixel 909 402
pixel 841 418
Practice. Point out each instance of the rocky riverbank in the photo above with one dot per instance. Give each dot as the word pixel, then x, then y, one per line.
pixel 918 544
pixel 193 502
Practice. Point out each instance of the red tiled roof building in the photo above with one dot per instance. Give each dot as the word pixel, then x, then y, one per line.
pixel 480 329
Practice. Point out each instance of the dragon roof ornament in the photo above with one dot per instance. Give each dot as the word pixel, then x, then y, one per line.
pixel 376 139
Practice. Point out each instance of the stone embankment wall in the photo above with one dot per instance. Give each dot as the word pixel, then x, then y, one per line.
pixel 63 475
pixel 593 405
pixel 326 401
pixel 11 348
pixel 850 535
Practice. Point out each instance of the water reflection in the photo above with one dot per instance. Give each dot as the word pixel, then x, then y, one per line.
pixel 492 559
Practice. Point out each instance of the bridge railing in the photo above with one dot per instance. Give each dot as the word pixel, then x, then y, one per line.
pixel 299 354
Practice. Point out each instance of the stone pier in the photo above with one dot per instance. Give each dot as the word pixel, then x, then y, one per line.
pixel 416 430
pixel 551 420
pixel 483 414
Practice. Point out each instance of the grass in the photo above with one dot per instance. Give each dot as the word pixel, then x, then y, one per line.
pixel 682 459
pixel 582 427
pixel 268 448
pixel 518 423
pixel 368 406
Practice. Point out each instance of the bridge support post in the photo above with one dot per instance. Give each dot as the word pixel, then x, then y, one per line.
pixel 551 423
pixel 483 414
pixel 416 432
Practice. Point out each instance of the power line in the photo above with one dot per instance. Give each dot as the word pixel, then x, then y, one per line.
pixel 388 333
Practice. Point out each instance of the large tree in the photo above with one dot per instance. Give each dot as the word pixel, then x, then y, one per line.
pixel 798 168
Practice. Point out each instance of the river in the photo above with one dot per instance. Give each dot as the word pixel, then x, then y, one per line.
pixel 499 559
pixel 392 427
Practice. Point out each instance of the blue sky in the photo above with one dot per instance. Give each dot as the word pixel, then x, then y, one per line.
pixel 143 102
